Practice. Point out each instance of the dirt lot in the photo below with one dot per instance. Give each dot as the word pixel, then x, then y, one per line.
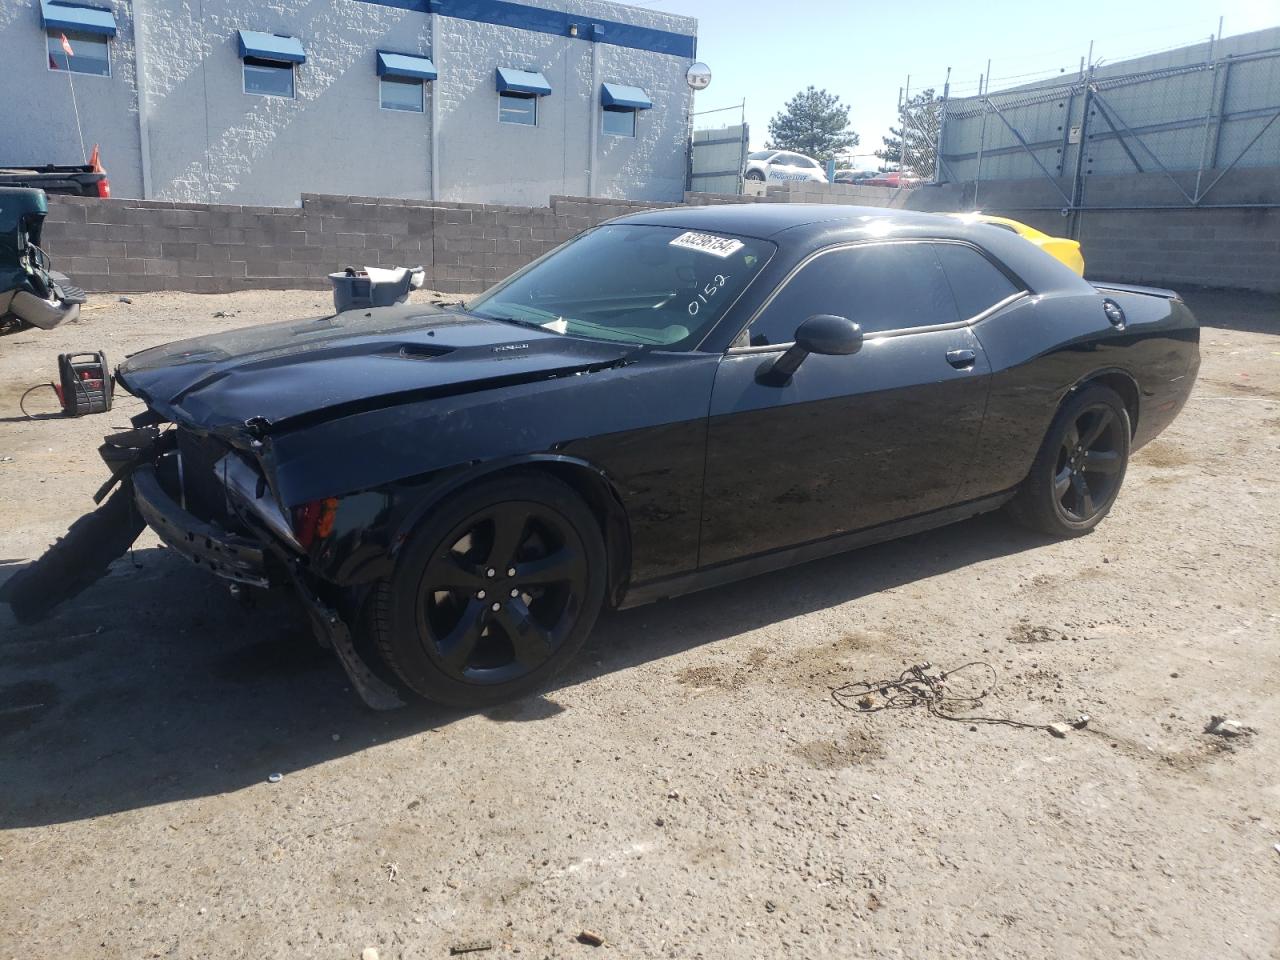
pixel 689 789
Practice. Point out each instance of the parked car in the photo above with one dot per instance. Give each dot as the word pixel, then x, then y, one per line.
pixel 31 292
pixel 1062 248
pixel 80 180
pixel 668 402
pixel 892 178
pixel 853 176
pixel 781 166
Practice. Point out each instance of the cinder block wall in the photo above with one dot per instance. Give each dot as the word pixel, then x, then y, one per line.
pixel 138 245
pixel 1136 228
pixel 141 245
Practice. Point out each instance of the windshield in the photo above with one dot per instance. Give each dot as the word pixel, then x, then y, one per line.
pixel 662 286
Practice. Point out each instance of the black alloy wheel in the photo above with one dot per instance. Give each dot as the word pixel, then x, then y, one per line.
pixel 1077 474
pixel 1090 463
pixel 494 592
pixel 500 596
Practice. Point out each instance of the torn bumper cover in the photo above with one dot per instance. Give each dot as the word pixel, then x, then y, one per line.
pixel 225 554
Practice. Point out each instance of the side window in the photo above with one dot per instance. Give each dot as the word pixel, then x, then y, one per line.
pixel 882 286
pixel 976 282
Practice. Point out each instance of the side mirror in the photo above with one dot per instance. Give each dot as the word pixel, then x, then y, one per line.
pixel 823 334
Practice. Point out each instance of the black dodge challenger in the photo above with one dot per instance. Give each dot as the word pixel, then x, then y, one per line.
pixel 669 401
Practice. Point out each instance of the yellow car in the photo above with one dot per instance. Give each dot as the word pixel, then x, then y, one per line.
pixel 1068 251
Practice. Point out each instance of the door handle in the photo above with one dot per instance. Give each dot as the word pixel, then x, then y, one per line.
pixel 963 359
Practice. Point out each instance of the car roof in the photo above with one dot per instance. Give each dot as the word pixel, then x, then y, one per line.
pixel 766 220
pixel 801 228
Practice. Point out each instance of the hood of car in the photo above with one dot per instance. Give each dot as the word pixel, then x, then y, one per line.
pixel 272 375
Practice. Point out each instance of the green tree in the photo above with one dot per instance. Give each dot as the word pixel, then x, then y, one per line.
pixel 920 117
pixel 814 123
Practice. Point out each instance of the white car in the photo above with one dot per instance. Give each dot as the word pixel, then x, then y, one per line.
pixel 780 166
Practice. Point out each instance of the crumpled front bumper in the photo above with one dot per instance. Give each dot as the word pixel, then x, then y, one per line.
pixel 224 554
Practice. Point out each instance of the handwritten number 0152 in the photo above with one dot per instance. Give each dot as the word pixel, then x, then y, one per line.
pixel 709 291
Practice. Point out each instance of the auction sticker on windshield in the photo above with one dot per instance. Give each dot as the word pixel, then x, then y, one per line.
pixel 708 243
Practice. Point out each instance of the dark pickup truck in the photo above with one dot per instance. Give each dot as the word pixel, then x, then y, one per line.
pixel 80 180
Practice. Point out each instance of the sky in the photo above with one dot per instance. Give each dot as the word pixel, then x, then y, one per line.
pixel 765 51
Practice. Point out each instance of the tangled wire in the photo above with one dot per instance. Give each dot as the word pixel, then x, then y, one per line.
pixel 917 687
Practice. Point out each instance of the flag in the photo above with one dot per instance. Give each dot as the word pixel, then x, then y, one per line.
pixel 66 46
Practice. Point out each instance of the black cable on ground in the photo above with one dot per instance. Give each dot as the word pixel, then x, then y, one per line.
pixel 917 687
pixel 22 399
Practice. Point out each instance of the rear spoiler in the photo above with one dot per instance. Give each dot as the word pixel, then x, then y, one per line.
pixel 1134 288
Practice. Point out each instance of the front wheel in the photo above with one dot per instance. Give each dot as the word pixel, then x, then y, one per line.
pixel 755 175
pixel 495 593
pixel 1078 472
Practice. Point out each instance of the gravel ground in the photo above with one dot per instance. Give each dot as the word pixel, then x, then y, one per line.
pixel 688 789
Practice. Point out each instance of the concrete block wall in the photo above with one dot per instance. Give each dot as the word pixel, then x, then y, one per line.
pixel 1139 228
pixel 123 246
pixel 137 245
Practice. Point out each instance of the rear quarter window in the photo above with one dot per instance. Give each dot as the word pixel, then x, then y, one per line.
pixel 977 283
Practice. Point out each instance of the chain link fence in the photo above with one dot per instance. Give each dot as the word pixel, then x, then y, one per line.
pixel 1198 116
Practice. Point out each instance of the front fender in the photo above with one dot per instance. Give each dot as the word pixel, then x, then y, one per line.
pixel 370 528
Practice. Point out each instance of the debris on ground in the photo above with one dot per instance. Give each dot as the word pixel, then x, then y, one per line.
pixel 393 871
pixel 369 953
pixel 275 778
pixel 1024 632
pixel 1081 721
pixel 917 687
pixel 1059 730
pixel 470 946
pixel 591 938
pixel 123 300
pixel 1222 727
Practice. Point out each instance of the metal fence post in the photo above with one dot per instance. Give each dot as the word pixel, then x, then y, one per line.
pixel 1077 177
pixel 902 119
pixel 942 129
pixel 1225 68
pixel 1208 110
pixel 984 86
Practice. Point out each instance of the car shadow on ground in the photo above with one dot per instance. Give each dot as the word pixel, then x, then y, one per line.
pixel 155 685
pixel 1240 310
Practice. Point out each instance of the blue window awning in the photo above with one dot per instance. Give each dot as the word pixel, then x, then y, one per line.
pixel 60 16
pixel 620 95
pixel 404 65
pixel 522 81
pixel 268 46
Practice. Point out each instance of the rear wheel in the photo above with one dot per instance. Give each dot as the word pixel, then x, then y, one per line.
pixel 1078 472
pixel 495 593
pixel 754 175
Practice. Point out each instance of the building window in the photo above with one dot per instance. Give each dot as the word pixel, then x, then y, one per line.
pixel 401 93
pixel 518 108
pixel 89 53
pixel 268 78
pixel 619 121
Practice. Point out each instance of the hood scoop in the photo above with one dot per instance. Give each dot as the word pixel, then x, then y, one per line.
pixel 419 351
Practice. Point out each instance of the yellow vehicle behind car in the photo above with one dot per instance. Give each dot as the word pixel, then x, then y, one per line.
pixel 1061 248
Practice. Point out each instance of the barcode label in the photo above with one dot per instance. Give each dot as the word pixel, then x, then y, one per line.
pixel 708 243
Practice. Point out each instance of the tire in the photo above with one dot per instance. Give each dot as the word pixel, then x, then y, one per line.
pixel 1080 467
pixel 434 619
pixel 754 175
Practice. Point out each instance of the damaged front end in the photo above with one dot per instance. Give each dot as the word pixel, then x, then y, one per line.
pixel 211 503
